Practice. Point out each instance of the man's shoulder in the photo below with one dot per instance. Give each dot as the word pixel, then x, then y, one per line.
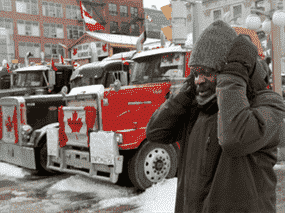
pixel 269 97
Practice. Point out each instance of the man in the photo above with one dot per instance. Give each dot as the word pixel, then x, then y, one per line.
pixel 229 125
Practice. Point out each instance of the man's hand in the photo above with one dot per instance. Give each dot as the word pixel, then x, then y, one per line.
pixel 189 87
pixel 243 52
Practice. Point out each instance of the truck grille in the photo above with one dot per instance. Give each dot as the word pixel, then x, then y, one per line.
pixel 75 122
pixel 12 116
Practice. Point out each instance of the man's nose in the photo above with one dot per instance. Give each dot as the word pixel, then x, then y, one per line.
pixel 200 79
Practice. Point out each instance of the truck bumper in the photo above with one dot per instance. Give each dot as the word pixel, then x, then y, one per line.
pixel 101 161
pixel 18 155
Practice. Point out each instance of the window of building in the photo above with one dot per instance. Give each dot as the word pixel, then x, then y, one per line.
pixel 125 28
pixel 54 50
pixel 217 14
pixel 51 9
pixel 28 28
pixel 5 5
pixel 27 6
pixel 53 30
pixel 73 12
pixel 134 11
pixel 7 23
pixel 75 32
pixel 237 11
pixel 123 11
pixel 34 48
pixel 113 27
pixel 113 9
pixel 135 28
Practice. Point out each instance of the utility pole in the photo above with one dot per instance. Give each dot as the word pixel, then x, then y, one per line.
pixel 196 9
pixel 178 22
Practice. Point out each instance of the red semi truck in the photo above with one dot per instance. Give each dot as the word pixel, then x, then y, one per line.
pixel 97 124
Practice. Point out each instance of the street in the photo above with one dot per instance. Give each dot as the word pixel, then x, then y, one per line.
pixel 23 191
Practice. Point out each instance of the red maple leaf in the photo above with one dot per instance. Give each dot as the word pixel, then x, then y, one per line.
pixel 9 124
pixel 53 66
pixel 124 61
pixel 104 47
pixel 74 123
pixel 8 68
pixel 74 51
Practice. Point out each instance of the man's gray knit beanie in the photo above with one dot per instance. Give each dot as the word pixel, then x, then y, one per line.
pixel 213 46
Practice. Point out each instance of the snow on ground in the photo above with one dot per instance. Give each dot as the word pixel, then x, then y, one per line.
pixel 78 183
pixel 13 171
pixel 159 198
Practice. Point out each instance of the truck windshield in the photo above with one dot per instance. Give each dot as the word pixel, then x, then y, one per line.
pixel 29 79
pixel 81 81
pixel 158 68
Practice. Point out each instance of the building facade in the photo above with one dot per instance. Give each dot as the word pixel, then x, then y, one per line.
pixel 42 25
pixel 212 10
pixel 158 21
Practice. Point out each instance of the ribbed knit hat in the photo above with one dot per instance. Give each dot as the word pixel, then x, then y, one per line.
pixel 213 45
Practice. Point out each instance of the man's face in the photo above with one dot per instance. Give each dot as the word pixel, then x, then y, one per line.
pixel 205 81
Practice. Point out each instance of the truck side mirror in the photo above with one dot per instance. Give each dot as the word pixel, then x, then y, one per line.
pixel 64 90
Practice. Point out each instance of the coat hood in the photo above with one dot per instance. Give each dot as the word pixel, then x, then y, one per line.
pixel 213 45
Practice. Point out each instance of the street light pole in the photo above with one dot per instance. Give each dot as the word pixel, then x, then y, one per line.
pixel 276 55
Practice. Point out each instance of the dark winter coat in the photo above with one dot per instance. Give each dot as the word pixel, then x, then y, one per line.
pixel 228 150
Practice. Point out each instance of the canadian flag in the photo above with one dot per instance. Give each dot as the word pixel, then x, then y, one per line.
pixel 62 59
pixel 75 64
pixel 53 66
pixel 89 21
pixel 8 68
pixel 124 61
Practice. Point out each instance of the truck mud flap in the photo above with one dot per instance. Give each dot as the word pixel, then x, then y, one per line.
pixel 101 162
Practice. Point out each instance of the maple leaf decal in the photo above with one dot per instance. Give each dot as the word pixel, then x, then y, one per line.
pixel 104 47
pixel 9 124
pixel 74 51
pixel 75 123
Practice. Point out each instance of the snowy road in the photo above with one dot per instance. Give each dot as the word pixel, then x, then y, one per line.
pixel 23 191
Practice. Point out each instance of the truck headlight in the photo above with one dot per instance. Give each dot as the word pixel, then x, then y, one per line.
pixel 26 131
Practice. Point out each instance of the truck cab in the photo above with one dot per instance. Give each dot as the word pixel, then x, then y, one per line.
pixel 103 72
pixel 42 79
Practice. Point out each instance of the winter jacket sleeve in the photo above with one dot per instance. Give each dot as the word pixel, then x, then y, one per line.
pixel 245 129
pixel 167 122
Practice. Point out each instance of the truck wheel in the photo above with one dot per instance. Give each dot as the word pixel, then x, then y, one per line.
pixel 43 160
pixel 151 164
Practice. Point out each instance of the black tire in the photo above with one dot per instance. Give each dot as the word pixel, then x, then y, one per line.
pixel 151 163
pixel 43 160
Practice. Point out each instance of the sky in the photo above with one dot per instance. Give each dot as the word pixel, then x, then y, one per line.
pixel 157 3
